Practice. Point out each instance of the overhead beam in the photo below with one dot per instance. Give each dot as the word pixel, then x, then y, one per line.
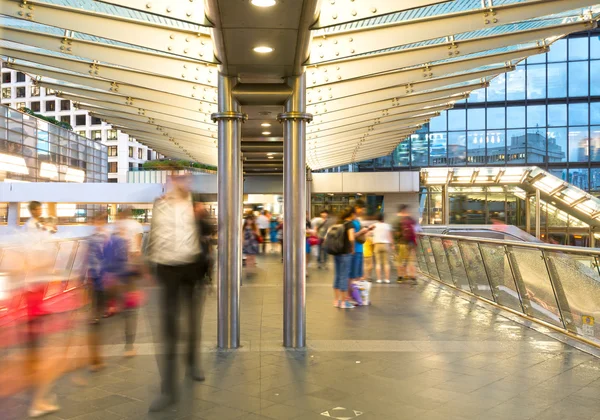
pixel 345 146
pixel 189 43
pixel 346 160
pixel 351 68
pixel 335 145
pixel 410 103
pixel 377 117
pixel 344 11
pixel 143 60
pixel 126 111
pixel 121 89
pixel 366 127
pixel 406 90
pixel 334 46
pixel 187 89
pixel 359 156
pixel 123 100
pixel 162 136
pixel 190 11
pixel 417 75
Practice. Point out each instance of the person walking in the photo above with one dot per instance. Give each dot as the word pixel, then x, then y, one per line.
pixel 357 263
pixel 262 221
pixel 174 246
pixel 326 222
pixel 406 239
pixel 250 248
pixel 343 260
pixel 382 241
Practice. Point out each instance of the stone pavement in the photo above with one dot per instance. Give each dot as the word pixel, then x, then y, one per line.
pixel 419 352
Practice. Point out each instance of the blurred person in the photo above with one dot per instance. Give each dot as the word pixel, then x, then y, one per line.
pixel 382 241
pixel 406 240
pixel 343 234
pixel 280 235
pixel 357 263
pixel 326 222
pixel 250 245
pixel 34 223
pixel 174 246
pixel 273 233
pixel 262 221
pixel 368 256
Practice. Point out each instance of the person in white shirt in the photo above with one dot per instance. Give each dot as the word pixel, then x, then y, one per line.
pixel 382 241
pixel 174 247
pixel 262 222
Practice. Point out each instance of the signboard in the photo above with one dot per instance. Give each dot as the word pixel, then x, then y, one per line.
pixel 588 323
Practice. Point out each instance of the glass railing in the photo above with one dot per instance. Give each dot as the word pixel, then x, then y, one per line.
pixel 557 285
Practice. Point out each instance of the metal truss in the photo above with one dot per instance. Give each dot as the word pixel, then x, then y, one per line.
pixel 142 60
pixel 415 75
pixel 188 11
pixel 338 12
pixel 334 46
pixel 408 103
pixel 370 126
pixel 137 104
pixel 406 90
pixel 421 56
pixel 117 88
pixel 167 39
pixel 335 144
pixel 378 117
pixel 187 89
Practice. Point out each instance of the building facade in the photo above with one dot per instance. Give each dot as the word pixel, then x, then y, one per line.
pixel 545 113
pixel 124 152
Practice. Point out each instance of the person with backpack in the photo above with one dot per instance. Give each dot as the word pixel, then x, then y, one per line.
pixel 339 242
pixel 406 239
pixel 326 222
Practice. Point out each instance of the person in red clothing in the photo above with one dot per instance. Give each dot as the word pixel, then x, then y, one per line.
pixel 406 239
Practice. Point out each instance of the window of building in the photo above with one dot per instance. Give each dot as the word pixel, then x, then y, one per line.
pixel 6 93
pixel 96 121
pixel 21 92
pixel 20 105
pixel 81 133
pixel 149 154
pixel 111 135
pixel 113 180
pixel 50 92
pixel 112 151
pixel 131 165
pixel 50 105
pixel 112 167
pixel 131 139
pixel 65 105
pixel 35 106
pixel 140 166
pixel 65 119
pixel 140 154
pixel 34 91
pixel 80 119
pixel 7 77
pixel 130 151
pixel 96 135
pixel 20 76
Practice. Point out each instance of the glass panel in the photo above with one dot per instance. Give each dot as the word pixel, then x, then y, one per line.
pixel 457 119
pixel 496 118
pixel 421 257
pixel 439 123
pixel 476 142
pixel 578 144
pixel 497 89
pixel 578 114
pixel 557 144
pixel 580 282
pixel 558 51
pixel 457 150
pixel 502 279
pixel 438 151
pixel 536 116
pixel 475 269
pixel 476 119
pixel 430 259
pixel 515 86
pixel 557 80
pixel 578 79
pixel 78 262
pixel 457 267
pixel 441 260
pixel 578 48
pixel 557 115
pixel 536 81
pixel 595 78
pixel 515 117
pixel 540 294
pixel 63 257
pixel 496 148
pixel 595 144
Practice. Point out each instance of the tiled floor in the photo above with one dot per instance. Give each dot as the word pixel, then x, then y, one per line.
pixel 419 352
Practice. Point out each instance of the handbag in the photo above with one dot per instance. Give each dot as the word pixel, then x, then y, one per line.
pixel 133 299
pixel 313 241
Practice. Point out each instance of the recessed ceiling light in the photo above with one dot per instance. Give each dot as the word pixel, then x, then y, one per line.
pixel 270 154
pixel 266 133
pixel 265 125
pixel 263 49
pixel 270 157
pixel 263 3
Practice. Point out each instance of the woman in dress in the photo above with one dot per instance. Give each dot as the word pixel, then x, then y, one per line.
pixel 251 235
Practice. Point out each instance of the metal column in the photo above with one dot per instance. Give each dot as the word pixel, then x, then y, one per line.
pixel 538 215
pixel 294 229
pixel 14 215
pixel 229 198
pixel 309 193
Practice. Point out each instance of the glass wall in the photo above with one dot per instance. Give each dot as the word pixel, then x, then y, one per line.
pixel 33 150
pixel 545 113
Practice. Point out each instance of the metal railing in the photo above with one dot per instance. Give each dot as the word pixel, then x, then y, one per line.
pixel 558 286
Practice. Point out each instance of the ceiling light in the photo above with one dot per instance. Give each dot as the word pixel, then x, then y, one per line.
pixel 270 157
pixel 265 125
pixel 263 49
pixel 270 154
pixel 263 3
pixel 266 133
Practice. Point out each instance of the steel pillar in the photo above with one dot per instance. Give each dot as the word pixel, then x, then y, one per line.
pixel 538 215
pixel 294 229
pixel 309 180
pixel 229 197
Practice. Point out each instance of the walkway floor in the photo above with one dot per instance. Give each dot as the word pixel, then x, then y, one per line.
pixel 419 352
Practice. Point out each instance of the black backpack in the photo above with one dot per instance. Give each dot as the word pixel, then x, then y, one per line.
pixel 335 241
